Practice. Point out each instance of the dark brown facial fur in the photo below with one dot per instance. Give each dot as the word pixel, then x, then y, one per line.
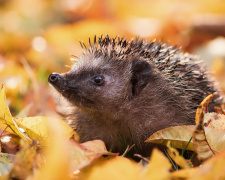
pixel 122 92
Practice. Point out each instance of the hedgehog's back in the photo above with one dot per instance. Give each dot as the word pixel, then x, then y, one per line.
pixel 185 72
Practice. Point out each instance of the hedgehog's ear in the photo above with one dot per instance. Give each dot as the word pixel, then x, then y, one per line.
pixel 141 72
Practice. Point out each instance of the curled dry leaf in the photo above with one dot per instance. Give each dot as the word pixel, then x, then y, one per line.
pixel 201 145
pixel 6 121
pixel 202 109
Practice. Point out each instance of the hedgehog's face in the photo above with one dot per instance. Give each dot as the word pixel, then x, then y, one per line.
pixel 93 84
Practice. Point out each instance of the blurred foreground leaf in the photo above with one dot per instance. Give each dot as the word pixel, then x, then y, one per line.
pixel 158 167
pixel 57 164
pixel 112 168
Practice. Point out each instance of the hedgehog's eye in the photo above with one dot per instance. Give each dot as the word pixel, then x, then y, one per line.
pixel 98 80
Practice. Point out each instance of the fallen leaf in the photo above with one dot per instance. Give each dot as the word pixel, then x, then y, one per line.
pixel 180 135
pixel 35 127
pixel 177 135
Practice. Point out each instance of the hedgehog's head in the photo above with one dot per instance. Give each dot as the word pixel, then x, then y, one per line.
pixel 103 82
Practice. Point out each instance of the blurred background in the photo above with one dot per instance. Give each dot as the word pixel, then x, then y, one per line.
pixel 38 36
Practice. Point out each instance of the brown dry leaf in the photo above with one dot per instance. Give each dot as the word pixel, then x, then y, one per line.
pixel 213 168
pixel 179 160
pixel 158 167
pixel 37 128
pixel 180 135
pixel 83 154
pixel 119 168
pixel 215 120
pixel 6 121
pixel 201 145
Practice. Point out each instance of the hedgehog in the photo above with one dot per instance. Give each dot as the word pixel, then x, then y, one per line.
pixel 123 91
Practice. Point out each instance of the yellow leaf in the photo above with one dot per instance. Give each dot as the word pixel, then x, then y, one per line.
pixel 37 128
pixel 6 121
pixel 158 167
pixel 113 168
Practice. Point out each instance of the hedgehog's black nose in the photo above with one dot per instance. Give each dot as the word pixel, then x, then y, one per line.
pixel 54 78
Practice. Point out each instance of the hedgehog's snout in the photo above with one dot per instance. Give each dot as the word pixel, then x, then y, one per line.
pixel 55 79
